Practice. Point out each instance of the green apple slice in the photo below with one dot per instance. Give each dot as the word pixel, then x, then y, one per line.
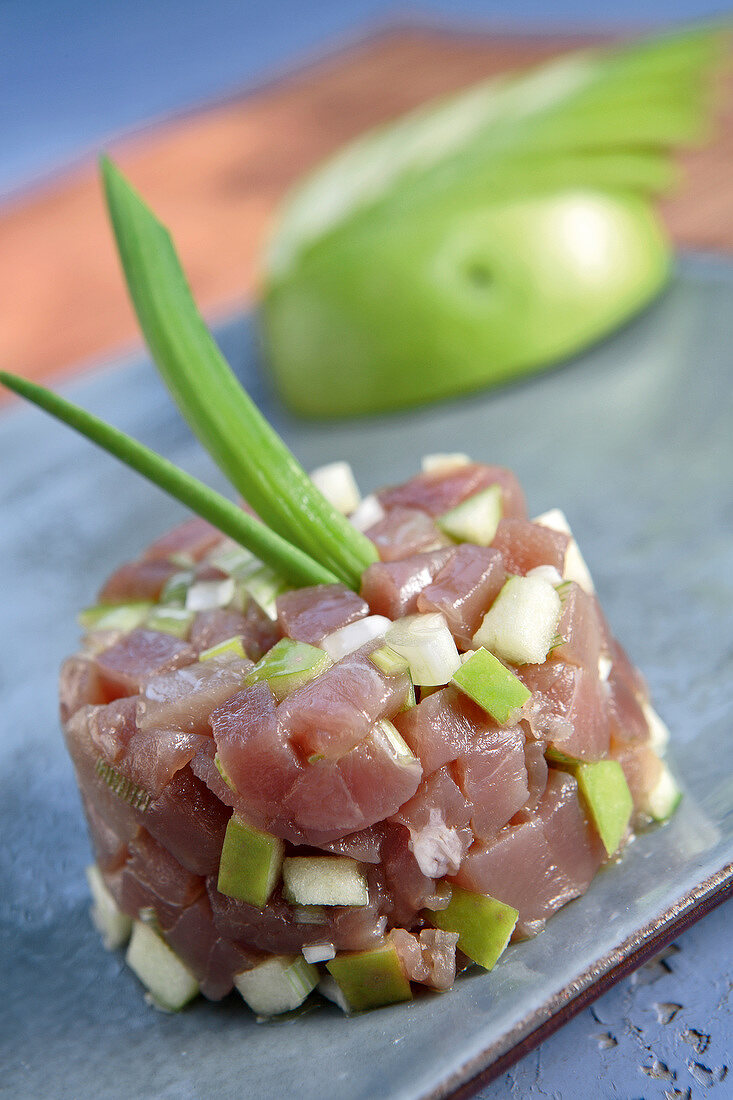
pixel 606 793
pixel 476 519
pixel 230 647
pixel 324 880
pixel 113 925
pixel 369 979
pixel 484 924
pixel 170 984
pixel 250 863
pixel 277 985
pixel 521 624
pixel 289 665
pixel 490 684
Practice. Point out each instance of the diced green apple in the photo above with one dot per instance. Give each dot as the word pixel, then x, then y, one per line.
pixel 115 616
pixel 277 985
pixel 170 984
pixel 289 665
pixel 490 684
pixel 250 862
pixel 324 880
pixel 607 796
pixel 484 925
pixel 113 925
pixel 663 799
pixel 476 519
pixel 521 624
pixel 230 647
pixel 369 979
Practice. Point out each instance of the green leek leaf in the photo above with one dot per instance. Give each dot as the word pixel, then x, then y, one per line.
pixel 220 413
pixel 296 566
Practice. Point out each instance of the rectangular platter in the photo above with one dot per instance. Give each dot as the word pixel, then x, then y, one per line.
pixel 634 441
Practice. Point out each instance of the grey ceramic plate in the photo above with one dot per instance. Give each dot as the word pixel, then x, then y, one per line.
pixel 633 441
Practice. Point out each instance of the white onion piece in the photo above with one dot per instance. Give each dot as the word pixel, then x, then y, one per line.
pixel 349 638
pixel 319 952
pixel 658 731
pixel 574 566
pixel 207 595
pixel 555 519
pixel 331 990
pixel 337 483
pixel 369 512
pixel 433 463
pixel 427 645
pixel 547 573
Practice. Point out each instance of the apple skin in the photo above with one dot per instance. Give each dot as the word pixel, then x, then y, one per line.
pixel 399 308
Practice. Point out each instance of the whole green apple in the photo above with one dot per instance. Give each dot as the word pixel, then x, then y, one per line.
pixel 484 236
pixel 398 311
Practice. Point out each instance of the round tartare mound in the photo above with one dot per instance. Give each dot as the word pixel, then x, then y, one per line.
pixel 360 791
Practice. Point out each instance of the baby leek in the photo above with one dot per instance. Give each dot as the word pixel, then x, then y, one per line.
pixel 243 444
pixel 288 560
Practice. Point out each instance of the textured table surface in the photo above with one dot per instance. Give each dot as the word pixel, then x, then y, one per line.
pixel 664 1032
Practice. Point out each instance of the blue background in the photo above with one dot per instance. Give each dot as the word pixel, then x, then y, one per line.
pixel 72 74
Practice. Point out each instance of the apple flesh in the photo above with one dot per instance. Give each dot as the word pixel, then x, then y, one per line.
pixel 324 880
pixel 113 925
pixel 401 306
pixel 484 925
pixel 369 979
pixel 170 984
pixel 476 519
pixel 277 985
pixel 250 863
pixel 606 793
pixel 521 624
pixel 289 665
pixel 490 684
